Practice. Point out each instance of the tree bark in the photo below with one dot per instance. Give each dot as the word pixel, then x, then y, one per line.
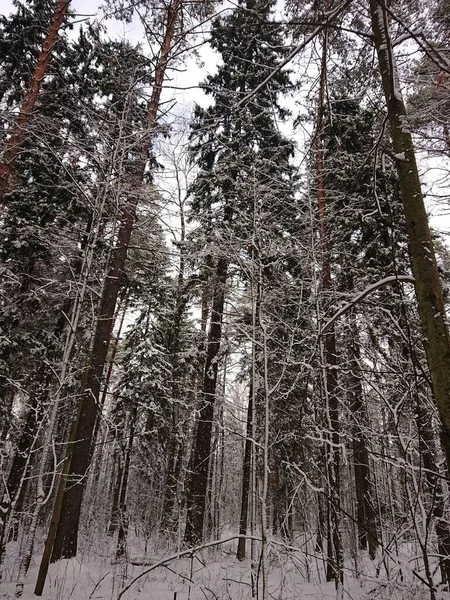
pixel 365 513
pixel 67 515
pixel 175 435
pixel 26 110
pixel 427 283
pixel 66 542
pixel 330 380
pixel 123 517
pixel 118 474
pixel 434 488
pixel 196 495
pixel 240 554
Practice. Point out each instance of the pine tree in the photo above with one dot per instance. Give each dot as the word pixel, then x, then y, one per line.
pixel 27 106
pixel 64 536
pixel 428 286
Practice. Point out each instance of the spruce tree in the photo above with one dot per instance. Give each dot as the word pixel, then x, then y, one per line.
pixel 234 149
pixel 366 232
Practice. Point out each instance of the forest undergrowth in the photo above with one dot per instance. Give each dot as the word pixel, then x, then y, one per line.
pixel 294 572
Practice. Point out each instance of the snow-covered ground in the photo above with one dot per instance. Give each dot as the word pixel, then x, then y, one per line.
pixel 213 574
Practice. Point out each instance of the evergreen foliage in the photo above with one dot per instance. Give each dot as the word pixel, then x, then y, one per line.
pixel 270 372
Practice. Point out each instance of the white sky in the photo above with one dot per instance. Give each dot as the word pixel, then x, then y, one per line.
pixel 78 6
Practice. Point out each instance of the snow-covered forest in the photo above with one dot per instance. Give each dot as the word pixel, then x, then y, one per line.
pixel 224 349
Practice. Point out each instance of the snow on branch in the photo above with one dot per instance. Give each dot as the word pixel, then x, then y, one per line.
pixel 364 293
pixel 187 552
pixel 329 16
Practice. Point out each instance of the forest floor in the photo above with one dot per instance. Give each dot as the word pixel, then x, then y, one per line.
pixel 213 574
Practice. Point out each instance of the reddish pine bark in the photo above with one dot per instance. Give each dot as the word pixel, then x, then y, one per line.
pixel 26 110
pixel 62 540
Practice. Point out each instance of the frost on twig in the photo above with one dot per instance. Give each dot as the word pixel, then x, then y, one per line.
pixel 366 292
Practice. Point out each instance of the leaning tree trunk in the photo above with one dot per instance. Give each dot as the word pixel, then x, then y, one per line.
pixel 63 538
pixel 23 118
pixel 427 283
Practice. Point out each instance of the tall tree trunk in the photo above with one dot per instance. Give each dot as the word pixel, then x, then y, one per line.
pixel 117 478
pixel 98 458
pixel 365 513
pixel 68 508
pixel 122 308
pixel 18 467
pixel 123 517
pixel 183 471
pixel 220 469
pixel 434 487
pixel 427 283
pixel 66 542
pixel 330 380
pixel 175 435
pixel 246 479
pixel 197 488
pixel 26 110
pixel 170 489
